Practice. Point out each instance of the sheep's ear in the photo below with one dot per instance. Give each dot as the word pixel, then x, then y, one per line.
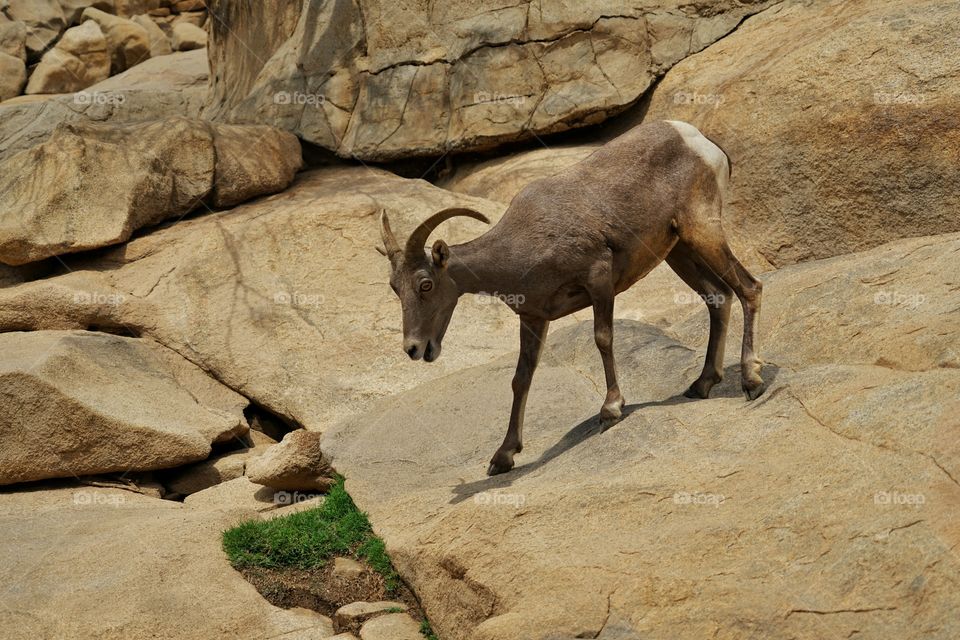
pixel 440 254
pixel 381 251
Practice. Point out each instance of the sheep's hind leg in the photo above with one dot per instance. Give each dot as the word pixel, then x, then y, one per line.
pixel 712 251
pixel 602 295
pixel 718 298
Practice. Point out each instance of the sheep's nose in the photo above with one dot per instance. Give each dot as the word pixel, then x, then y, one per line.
pixel 413 351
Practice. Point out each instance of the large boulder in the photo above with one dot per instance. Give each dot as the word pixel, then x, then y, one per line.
pixel 44 22
pixel 91 186
pixel 82 403
pixel 106 563
pixel 129 42
pixel 839 119
pixel 380 80
pixel 826 508
pixel 79 59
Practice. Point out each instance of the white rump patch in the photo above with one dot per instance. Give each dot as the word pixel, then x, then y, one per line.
pixel 710 153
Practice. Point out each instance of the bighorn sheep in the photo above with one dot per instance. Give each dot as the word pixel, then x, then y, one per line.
pixel 577 239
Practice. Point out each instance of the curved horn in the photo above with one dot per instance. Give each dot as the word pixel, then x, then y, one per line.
pixel 418 238
pixel 386 234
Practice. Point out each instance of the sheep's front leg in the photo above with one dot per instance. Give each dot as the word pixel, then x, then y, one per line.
pixel 533 334
pixel 602 296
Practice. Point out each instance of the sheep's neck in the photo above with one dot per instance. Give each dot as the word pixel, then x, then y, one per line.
pixel 479 267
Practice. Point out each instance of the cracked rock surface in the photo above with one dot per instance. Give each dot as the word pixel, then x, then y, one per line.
pixel 380 80
pixel 826 508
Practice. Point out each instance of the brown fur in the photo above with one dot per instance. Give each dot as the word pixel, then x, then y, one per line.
pixel 577 239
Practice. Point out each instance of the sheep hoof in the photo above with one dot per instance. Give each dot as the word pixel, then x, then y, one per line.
pixel 753 390
pixel 501 463
pixel 494 469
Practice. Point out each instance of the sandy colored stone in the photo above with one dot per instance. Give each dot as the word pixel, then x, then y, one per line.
pixel 73 9
pixel 91 186
pixel 13 36
pixel 159 43
pixel 252 160
pixel 392 626
pixel 295 464
pixel 179 72
pixel 44 21
pixel 347 569
pixel 502 178
pixel 82 562
pixel 129 43
pixel 83 403
pixel 80 59
pixel 130 8
pixel 819 106
pixel 237 495
pixel 358 612
pixel 203 475
pixel 824 507
pixel 395 80
pixel 196 18
pixel 13 76
pixel 187 36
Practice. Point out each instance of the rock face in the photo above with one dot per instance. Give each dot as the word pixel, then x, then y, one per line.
pixel 79 59
pixel 91 403
pixel 284 299
pixel 822 508
pixel 380 80
pixel 91 186
pixel 129 43
pixel 296 464
pixel 164 576
pixel 840 121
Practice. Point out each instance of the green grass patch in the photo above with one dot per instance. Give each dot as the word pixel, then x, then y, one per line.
pixel 308 539
pixel 427 631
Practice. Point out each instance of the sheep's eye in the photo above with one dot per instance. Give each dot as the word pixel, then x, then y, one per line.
pixel 426 285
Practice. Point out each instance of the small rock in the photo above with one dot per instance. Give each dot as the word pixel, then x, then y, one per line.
pixel 73 9
pixel 188 36
pixel 13 36
pixel 358 612
pixel 234 495
pixel 189 5
pixel 79 60
pixel 196 18
pixel 13 75
pixel 129 43
pixel 347 568
pixel 203 475
pixel 159 43
pixel 393 626
pixel 296 464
